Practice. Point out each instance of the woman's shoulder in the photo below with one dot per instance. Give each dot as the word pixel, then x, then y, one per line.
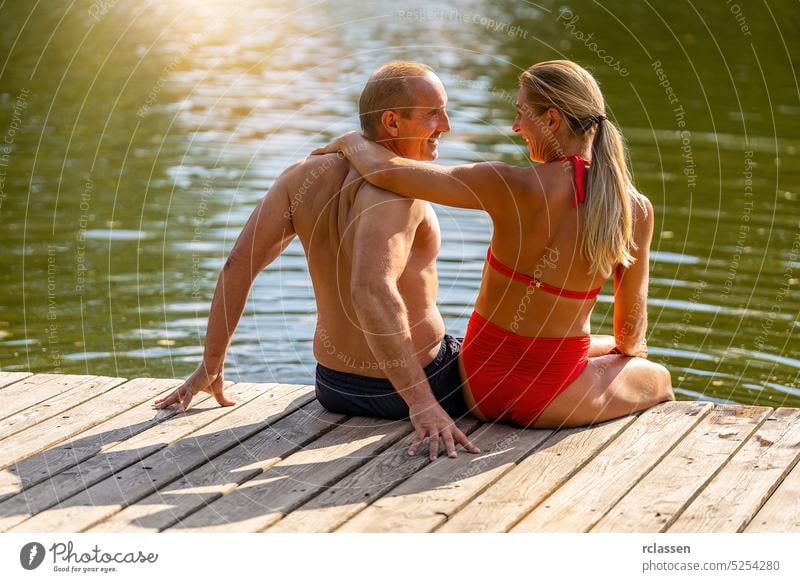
pixel 643 219
pixel 643 213
pixel 521 182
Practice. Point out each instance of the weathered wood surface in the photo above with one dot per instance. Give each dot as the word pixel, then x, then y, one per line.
pixel 59 404
pixel 656 500
pixel 88 453
pixel 748 479
pixel 200 442
pixel 593 491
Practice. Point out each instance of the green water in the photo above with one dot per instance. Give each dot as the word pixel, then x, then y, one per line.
pixel 137 137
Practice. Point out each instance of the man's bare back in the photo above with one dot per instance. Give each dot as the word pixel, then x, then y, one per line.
pixel 327 201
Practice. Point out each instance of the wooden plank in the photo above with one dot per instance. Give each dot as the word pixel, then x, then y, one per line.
pixel 38 438
pixel 656 500
pixel 338 503
pixel 781 512
pixel 59 404
pixel 578 504
pixel 739 490
pixel 96 456
pixel 104 452
pixel 260 502
pixel 229 426
pixel 220 476
pixel 424 501
pixel 535 478
pixel 35 389
pixel 8 378
pixel 82 446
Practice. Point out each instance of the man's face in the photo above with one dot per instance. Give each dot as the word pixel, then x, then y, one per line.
pixel 418 130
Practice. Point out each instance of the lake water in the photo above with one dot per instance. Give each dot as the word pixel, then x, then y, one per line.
pixel 138 136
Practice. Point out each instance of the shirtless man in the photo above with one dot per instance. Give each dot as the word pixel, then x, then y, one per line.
pixel 379 341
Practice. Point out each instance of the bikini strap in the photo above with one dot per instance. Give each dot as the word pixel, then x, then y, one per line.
pixel 579 165
pixel 495 263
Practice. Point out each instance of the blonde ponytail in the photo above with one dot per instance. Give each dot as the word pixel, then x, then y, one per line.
pixel 610 195
pixel 608 210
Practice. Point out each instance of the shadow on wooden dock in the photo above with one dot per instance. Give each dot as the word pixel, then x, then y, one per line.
pixel 89 453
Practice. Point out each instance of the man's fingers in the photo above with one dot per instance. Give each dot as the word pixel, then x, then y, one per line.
pixel 186 399
pixel 449 445
pixel 450 441
pixel 465 442
pixel 167 401
pixel 434 446
pixel 418 438
pixel 216 390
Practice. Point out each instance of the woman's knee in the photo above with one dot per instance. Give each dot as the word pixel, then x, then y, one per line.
pixel 662 383
pixel 669 394
pixel 649 383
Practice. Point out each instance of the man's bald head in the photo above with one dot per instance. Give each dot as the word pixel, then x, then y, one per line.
pixel 388 89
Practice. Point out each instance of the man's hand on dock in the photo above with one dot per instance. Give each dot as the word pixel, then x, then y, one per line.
pixel 200 380
pixel 431 421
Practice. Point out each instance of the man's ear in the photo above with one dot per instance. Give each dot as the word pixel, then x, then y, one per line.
pixel 389 123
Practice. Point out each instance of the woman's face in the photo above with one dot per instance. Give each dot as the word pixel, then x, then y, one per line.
pixel 538 129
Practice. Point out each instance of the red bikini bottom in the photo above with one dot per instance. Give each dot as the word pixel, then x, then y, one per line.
pixel 513 378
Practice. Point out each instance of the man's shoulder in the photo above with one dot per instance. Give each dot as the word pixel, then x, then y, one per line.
pixel 386 210
pixel 384 201
pixel 371 193
pixel 315 168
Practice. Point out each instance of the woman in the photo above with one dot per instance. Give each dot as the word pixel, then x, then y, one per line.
pixel 560 230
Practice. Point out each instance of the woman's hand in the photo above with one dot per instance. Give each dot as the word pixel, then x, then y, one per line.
pixel 639 352
pixel 344 145
pixel 601 345
pixel 369 159
pixel 200 380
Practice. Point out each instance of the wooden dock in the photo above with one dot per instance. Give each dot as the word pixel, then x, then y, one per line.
pixel 90 454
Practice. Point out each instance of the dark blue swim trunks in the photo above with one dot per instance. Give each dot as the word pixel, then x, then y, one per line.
pixel 356 395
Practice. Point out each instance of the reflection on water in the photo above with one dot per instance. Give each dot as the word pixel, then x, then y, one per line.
pixel 137 137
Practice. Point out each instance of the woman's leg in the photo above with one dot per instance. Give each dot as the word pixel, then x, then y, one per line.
pixel 609 387
pixel 469 399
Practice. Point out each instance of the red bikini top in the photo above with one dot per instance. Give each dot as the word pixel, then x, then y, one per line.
pixel 579 166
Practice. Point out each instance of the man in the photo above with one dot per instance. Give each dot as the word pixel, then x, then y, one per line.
pixel 379 341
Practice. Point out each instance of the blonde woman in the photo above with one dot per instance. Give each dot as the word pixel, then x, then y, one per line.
pixel 561 229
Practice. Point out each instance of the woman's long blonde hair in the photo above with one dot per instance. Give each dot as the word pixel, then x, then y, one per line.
pixel 610 195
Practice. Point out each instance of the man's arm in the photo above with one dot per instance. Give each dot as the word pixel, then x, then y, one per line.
pixel 268 231
pixel 384 230
pixel 384 227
